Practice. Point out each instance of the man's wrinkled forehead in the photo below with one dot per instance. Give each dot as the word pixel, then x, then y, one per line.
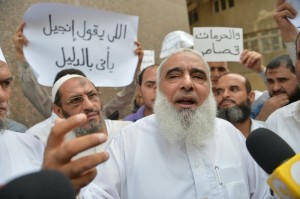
pixel 187 58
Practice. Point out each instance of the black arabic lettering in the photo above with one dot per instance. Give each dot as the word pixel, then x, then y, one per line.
pixel 84 32
pixel 82 60
pixel 208 51
pixel 215 37
pixel 68 60
pixel 237 48
pixel 118 33
pixel 107 58
pixel 238 36
pixel 101 64
pixel 199 36
pixel 226 51
pixel 50 27
pixel 87 58
pixel 57 29
pixel 105 62
pixel 95 32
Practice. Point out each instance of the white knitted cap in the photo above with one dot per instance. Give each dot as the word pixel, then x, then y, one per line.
pixel 60 82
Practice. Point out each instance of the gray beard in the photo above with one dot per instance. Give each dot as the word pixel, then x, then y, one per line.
pixel 89 128
pixel 93 127
pixel 185 126
pixel 236 114
pixel 4 123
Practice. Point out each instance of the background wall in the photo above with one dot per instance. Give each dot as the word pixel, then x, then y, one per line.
pixel 156 19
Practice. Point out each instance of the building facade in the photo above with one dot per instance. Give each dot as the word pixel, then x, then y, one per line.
pixel 260 31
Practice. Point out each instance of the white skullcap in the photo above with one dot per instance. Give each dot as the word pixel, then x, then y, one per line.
pixel 2 58
pixel 59 82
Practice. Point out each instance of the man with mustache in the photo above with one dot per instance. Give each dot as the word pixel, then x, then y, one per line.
pixel 73 94
pixel 286 120
pixel 22 153
pixel 282 87
pixel 234 97
pixel 217 69
pixel 182 150
pixel 147 90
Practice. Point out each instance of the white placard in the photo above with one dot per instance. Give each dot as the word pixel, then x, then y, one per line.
pixel 148 59
pixel 296 5
pixel 219 43
pixel 174 41
pixel 2 58
pixel 99 43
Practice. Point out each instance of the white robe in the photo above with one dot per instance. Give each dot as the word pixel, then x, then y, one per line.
pixel 286 123
pixel 19 154
pixel 143 164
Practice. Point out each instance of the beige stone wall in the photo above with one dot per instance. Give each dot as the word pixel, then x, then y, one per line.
pixel 156 19
pixel 244 14
pixel 252 16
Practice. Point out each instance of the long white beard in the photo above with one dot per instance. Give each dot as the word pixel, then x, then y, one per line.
pixel 185 126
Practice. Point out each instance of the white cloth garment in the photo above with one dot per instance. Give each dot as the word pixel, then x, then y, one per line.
pixel 42 130
pixel 143 164
pixel 286 123
pixel 19 154
pixel 255 124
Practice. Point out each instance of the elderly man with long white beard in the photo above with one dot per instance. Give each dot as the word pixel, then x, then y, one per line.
pixel 182 150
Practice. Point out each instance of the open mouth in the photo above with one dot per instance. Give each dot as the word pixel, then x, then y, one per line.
pixel 186 102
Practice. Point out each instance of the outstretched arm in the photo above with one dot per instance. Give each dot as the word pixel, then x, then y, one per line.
pixel 36 94
pixel 124 97
pixel 253 61
pixel 288 31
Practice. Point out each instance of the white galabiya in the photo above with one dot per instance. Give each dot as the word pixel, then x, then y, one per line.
pixel 183 150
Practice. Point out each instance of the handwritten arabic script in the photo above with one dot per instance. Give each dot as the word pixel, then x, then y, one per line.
pixel 219 44
pixel 84 31
pixel 99 43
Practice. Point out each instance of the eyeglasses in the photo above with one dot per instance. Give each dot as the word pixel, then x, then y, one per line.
pixel 93 96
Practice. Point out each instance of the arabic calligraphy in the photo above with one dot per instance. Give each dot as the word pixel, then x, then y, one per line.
pixel 219 37
pixel 87 32
pixel 81 58
pixel 221 51
pixel 219 43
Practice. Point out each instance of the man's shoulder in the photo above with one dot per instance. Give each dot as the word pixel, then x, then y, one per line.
pixel 257 124
pixel 113 126
pixel 287 110
pixel 41 127
pixel 21 139
pixel 225 128
pixel 221 123
pixel 137 115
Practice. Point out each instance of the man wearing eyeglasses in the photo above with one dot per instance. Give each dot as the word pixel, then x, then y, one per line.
pixel 73 94
pixel 21 153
